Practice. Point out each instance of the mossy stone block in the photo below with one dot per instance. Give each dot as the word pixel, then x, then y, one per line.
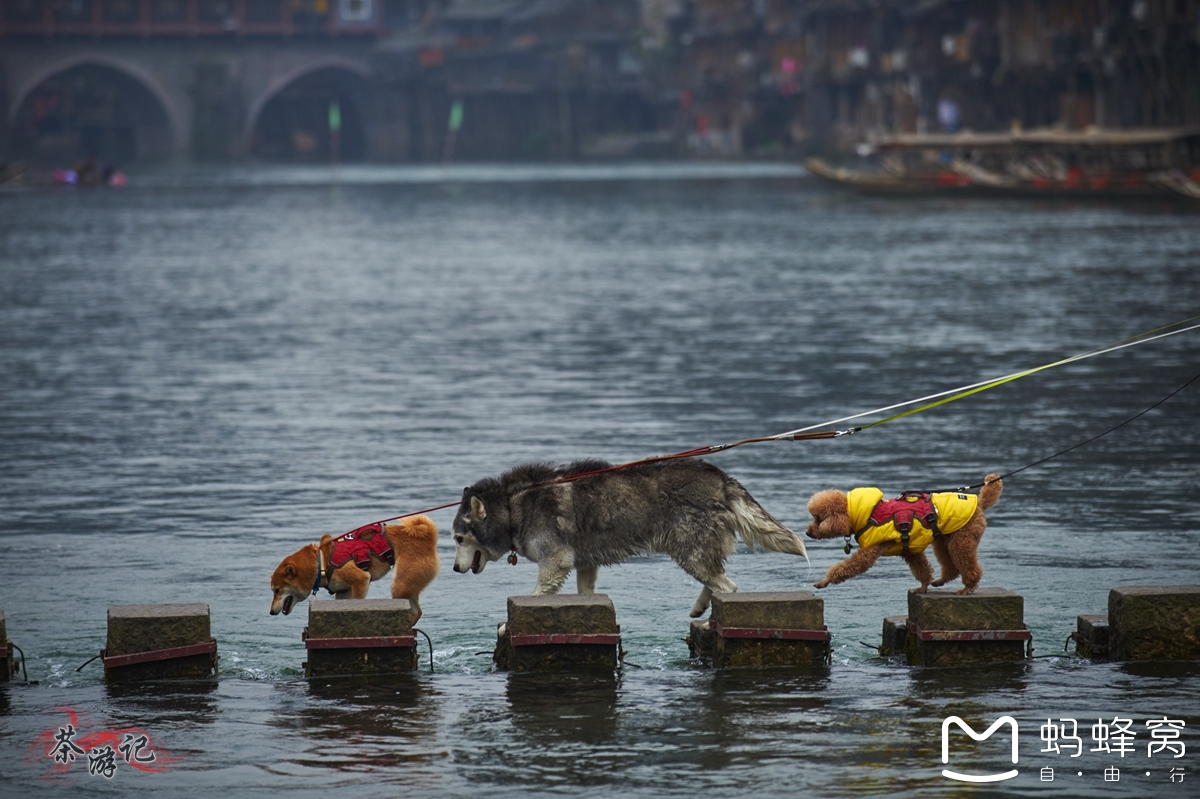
pixel 986 609
pixel 556 614
pixel 734 653
pixel 1154 622
pixel 146 628
pixel 766 610
pixel 1091 636
pixel 359 618
pixel 956 653
pixel 134 629
pixel 776 610
pixel 578 614
pixel 701 641
pixel 895 633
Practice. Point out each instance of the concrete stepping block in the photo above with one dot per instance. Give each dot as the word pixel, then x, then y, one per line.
pixel 1091 636
pixel 895 634
pixel 360 637
pixel 557 632
pixel 1154 622
pixel 946 628
pixel 154 642
pixel 779 628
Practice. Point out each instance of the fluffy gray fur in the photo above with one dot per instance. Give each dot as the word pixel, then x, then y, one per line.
pixel 686 508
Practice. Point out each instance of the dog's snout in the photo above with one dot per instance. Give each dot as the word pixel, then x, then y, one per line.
pixel 458 569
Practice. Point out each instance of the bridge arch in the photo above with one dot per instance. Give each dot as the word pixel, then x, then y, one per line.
pixel 94 104
pixel 289 121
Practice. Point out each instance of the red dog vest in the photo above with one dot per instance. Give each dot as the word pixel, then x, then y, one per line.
pixel 352 546
pixel 904 508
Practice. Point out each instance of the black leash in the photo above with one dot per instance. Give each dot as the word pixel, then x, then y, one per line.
pixel 1081 443
pixel 422 632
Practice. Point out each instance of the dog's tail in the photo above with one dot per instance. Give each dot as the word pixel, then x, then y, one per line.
pixel 759 528
pixel 990 492
pixel 419 527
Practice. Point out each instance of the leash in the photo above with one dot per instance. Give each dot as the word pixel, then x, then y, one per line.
pixel 946 397
pixel 1075 446
pixel 929 402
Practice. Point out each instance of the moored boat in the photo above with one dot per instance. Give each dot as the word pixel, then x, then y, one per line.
pixel 1048 163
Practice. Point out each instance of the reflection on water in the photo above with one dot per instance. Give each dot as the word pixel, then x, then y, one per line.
pixel 157 704
pixel 211 369
pixel 950 684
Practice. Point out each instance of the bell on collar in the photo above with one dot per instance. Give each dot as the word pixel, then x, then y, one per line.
pixel 512 557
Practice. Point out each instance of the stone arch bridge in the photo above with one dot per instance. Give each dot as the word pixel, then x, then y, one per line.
pixel 135 98
pixel 318 80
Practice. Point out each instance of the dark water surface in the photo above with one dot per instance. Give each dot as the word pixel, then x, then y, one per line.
pixel 205 371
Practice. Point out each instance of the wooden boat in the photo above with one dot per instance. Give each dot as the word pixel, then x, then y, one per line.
pixel 1046 163
pixel 1181 184
pixel 877 182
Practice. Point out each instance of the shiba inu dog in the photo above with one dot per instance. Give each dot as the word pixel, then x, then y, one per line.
pixel 347 565
pixel 686 508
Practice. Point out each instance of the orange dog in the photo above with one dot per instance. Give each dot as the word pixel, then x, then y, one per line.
pixel 346 566
pixel 952 522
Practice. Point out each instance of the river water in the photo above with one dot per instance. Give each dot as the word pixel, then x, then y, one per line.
pixel 208 369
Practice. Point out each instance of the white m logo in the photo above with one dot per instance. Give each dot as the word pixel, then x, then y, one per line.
pixel 967 729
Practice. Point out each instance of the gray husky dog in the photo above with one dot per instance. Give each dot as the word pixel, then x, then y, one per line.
pixel 686 508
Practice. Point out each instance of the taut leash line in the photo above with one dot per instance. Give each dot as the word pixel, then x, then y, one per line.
pixel 811 433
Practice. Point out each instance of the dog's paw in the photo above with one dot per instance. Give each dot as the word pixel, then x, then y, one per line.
pixel 821 584
pixel 938 583
pixel 965 591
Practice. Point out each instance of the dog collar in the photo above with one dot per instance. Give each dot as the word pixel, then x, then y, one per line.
pixel 320 569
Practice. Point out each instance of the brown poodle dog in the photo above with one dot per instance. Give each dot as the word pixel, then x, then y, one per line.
pixel 347 565
pixel 952 522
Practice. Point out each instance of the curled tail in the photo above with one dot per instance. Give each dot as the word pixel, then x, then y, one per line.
pixel 990 492
pixel 759 528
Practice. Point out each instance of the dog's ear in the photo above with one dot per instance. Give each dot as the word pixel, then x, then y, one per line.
pixel 289 571
pixel 836 524
pixel 478 511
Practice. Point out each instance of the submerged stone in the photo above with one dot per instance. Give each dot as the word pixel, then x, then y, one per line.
pixel 895 633
pixel 1091 636
pixel 1154 622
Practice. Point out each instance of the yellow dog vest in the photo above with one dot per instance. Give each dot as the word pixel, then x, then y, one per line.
pixel 953 512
